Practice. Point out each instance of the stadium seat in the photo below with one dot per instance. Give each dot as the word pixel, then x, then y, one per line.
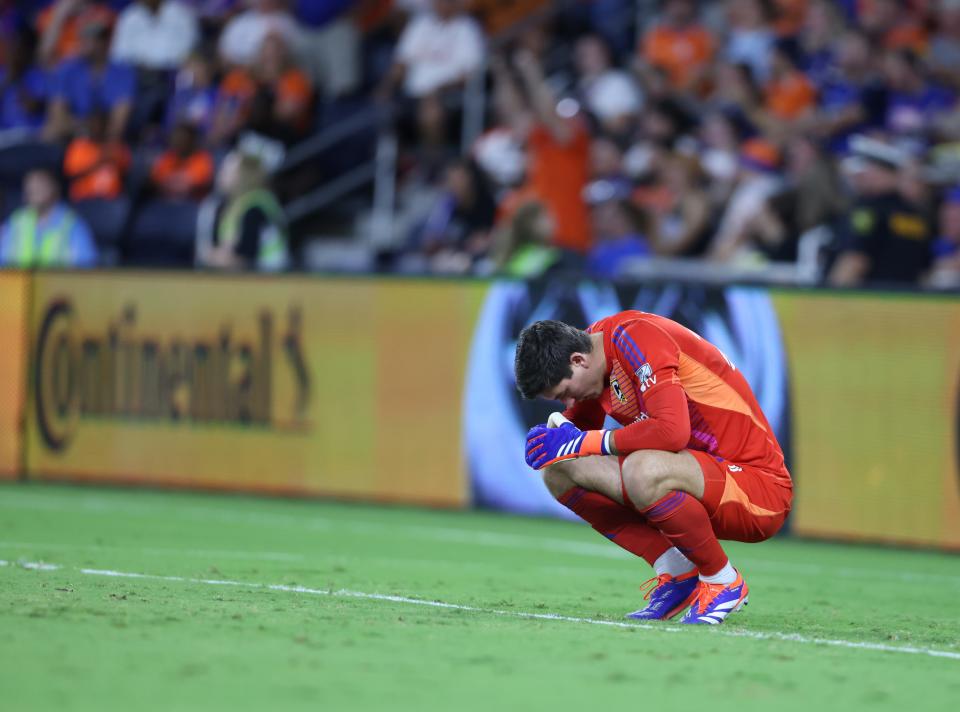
pixel 107 220
pixel 18 158
pixel 163 234
pixel 11 198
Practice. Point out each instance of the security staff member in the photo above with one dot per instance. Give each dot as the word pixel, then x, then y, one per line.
pixel 45 232
pixel 887 239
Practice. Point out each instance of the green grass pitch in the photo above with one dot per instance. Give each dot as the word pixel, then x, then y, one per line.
pixel 243 603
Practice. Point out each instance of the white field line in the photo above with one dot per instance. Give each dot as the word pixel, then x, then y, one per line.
pixel 467 536
pixel 32 565
pixel 161 551
pixel 337 559
pixel 344 593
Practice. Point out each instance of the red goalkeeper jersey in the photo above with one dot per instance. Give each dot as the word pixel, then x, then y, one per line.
pixel 673 390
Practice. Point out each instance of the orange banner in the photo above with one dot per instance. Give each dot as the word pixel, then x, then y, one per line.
pixel 346 388
pixel 14 287
pixel 874 389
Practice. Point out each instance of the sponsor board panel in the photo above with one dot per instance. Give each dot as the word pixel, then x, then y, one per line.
pixel 874 391
pixel 14 289
pixel 287 385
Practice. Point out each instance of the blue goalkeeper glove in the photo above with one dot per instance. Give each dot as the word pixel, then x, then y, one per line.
pixel 546 445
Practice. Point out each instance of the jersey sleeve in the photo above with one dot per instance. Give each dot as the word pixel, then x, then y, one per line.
pixel 654 362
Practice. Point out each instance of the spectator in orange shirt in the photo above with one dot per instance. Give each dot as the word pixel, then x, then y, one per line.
pixel 184 171
pixel 60 27
pixel 94 166
pixel 274 97
pixel 790 16
pixel 789 94
pixel 558 147
pixel 679 46
pixel 283 104
pixel 893 24
pixel 232 106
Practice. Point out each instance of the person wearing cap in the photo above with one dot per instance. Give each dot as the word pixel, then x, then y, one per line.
pixel 887 238
pixel 45 232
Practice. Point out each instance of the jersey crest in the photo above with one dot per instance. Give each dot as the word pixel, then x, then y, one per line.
pixel 617 391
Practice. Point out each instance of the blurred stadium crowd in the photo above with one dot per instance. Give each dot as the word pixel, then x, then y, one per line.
pixel 520 138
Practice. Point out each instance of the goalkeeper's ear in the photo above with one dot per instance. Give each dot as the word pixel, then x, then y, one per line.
pixel 556 419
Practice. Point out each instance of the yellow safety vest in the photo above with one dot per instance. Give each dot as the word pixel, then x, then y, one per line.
pixel 35 247
pixel 273 242
pixel 531 261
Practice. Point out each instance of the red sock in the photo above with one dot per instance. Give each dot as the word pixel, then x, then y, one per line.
pixel 684 522
pixel 621 525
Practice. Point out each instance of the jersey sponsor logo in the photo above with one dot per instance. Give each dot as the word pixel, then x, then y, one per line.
pixel 642 416
pixel 615 387
pixel 734 468
pixel 646 377
pixel 911 227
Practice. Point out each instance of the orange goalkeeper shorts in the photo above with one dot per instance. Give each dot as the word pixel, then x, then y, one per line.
pixel 745 503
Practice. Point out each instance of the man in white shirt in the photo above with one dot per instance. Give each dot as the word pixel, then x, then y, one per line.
pixel 611 94
pixel 243 35
pixel 436 54
pixel 154 34
pixel 436 50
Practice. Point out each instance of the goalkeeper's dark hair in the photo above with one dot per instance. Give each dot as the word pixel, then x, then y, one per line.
pixel 543 355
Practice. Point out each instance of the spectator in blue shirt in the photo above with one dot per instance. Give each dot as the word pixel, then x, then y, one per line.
pixel 195 93
pixel 23 87
pixel 914 103
pixel 91 82
pixel 822 25
pixel 45 232
pixel 948 223
pixel 618 227
pixel 853 99
pixel 946 248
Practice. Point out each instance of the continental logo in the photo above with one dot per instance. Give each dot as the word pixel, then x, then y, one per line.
pixel 126 373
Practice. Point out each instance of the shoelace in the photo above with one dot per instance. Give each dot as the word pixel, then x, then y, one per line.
pixel 706 592
pixel 651 585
